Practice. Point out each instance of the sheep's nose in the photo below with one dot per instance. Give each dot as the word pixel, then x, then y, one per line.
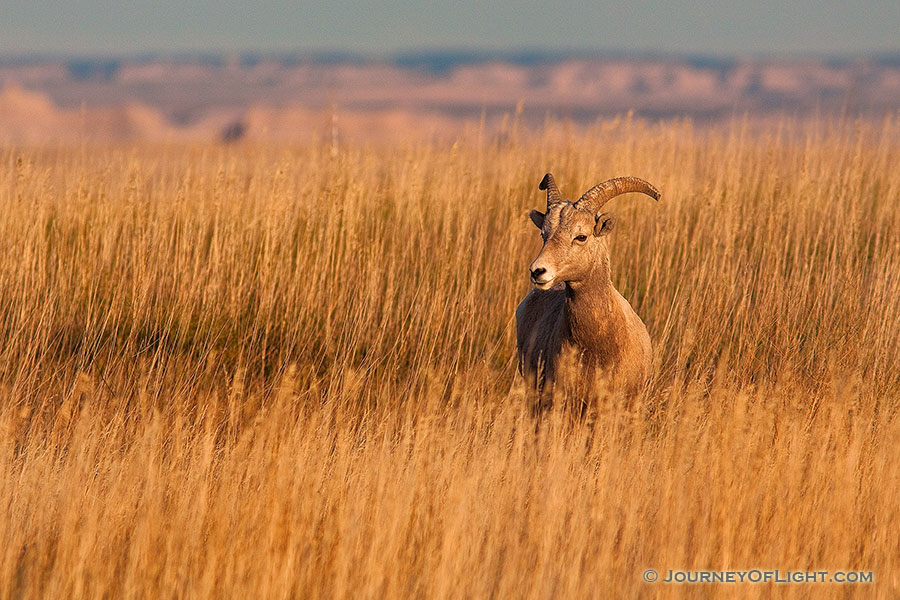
pixel 536 273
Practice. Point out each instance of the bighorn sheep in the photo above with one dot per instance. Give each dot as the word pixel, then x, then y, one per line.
pixel 574 310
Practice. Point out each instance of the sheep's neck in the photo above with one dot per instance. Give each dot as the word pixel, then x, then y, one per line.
pixel 593 316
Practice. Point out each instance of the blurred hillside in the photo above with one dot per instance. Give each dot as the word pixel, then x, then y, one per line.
pixel 302 98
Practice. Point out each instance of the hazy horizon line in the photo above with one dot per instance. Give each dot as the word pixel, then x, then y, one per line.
pixel 449 54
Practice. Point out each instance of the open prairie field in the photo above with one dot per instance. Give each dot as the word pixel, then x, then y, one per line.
pixel 285 371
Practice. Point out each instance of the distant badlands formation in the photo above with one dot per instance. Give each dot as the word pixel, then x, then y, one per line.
pixel 59 101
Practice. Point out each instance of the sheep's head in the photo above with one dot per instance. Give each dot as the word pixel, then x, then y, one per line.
pixel 575 234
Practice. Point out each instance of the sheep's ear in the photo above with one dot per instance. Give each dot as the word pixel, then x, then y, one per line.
pixel 603 224
pixel 537 217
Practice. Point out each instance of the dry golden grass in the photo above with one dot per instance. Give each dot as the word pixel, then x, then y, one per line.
pixel 281 372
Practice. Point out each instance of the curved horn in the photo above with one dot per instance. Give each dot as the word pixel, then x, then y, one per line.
pixel 553 195
pixel 600 194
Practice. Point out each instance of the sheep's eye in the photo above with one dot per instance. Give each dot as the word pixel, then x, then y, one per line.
pixel 580 238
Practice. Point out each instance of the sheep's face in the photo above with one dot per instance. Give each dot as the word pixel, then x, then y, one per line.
pixel 575 244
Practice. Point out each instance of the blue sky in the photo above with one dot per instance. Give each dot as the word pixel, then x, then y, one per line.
pixel 727 27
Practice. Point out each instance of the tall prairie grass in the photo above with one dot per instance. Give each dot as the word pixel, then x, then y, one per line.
pixel 273 371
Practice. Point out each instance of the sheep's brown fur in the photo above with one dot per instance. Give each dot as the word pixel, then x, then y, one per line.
pixel 574 310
